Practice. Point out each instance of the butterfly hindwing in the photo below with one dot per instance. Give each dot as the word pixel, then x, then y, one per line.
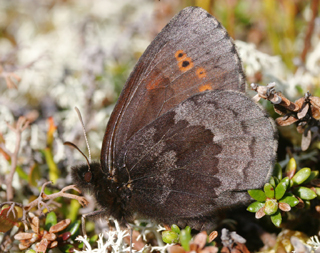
pixel 192 54
pixel 200 156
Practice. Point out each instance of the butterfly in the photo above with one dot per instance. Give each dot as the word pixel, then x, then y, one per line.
pixel 183 140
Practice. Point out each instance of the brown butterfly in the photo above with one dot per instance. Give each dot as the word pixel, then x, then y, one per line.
pixel 183 140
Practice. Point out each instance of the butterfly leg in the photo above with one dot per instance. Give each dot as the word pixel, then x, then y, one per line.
pixel 92 215
pixel 131 231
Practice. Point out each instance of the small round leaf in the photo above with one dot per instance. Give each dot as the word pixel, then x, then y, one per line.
pixel 51 220
pixel 286 180
pixel 61 225
pixel 65 236
pixel 269 190
pixel 277 172
pixel 30 251
pixel 74 229
pixel 170 237
pixel 276 219
pixel 301 176
pixel 260 213
pixel 280 190
pixel 290 200
pixel 258 195
pixel 314 174
pixel 317 191
pixel 175 228
pixel 188 229
pixel 93 238
pixel 291 168
pixel 271 206
pixel 272 182
pixel 185 238
pixel 284 207
pixel 255 206
pixel 305 193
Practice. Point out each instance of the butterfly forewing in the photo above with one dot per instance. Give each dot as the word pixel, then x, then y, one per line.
pixel 200 156
pixel 192 54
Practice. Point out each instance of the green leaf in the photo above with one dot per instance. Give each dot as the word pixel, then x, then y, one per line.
pixel 258 195
pixel 51 220
pixel 269 190
pixel 301 176
pixel 299 89
pixel 80 246
pixel 290 200
pixel 35 175
pixel 317 190
pixel 185 238
pixel 74 229
pixel 286 180
pixel 272 182
pixel 255 206
pixel 73 210
pixel 175 228
pixel 21 173
pixel 277 172
pixel 93 239
pixel 314 174
pixel 291 168
pixel 271 206
pixel 291 183
pixel 89 226
pixel 170 237
pixel 280 190
pixel 30 251
pixel 54 172
pixel 305 193
pixel 67 248
pixel 276 219
pixel 307 204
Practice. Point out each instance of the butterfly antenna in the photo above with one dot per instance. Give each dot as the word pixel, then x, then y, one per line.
pixel 84 132
pixel 68 143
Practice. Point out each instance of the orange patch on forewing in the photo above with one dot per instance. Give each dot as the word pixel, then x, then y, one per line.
pixel 153 85
pixel 180 55
pixel 205 87
pixel 201 72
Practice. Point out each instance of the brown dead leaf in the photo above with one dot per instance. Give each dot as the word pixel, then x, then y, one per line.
pixel 60 226
pixel 8 219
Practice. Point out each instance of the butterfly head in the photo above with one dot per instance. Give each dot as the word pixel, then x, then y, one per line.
pixel 85 176
pixel 91 179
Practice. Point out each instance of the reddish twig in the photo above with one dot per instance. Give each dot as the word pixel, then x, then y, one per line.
pixel 40 201
pixel 43 197
pixel 307 41
pixel 22 124
pixel 9 77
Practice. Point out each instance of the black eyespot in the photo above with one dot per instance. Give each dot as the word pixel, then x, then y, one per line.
pixel 185 63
